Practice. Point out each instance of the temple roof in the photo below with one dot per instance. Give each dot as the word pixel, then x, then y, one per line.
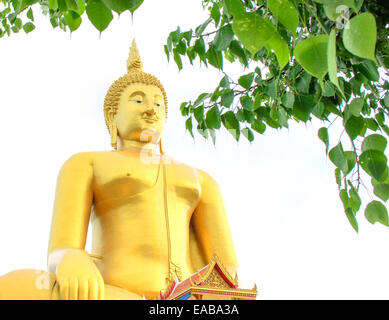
pixel 212 278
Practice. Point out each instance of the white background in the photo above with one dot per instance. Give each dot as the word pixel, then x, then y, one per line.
pixel 290 232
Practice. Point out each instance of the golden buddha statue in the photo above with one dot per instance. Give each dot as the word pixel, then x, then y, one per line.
pixel 153 219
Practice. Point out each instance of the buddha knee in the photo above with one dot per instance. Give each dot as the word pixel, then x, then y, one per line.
pixel 26 284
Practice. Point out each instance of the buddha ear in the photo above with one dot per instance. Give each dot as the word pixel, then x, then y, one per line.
pixel 113 129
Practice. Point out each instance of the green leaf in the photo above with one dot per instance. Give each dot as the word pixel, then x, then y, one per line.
pixel 99 14
pixel 72 19
pixel 227 98
pixel 355 126
pixel 177 59
pixel 189 126
pixel 215 14
pixel 328 89
pixel 199 114
pixel 120 6
pixel 200 99
pixel 351 218
pixel 369 70
pixel 200 29
pixel 338 177
pixel 303 106
pixel 360 35
pixel 351 160
pixel 331 60
pixel 355 200
pixel 247 103
pixel 62 5
pixel 323 136
pixel 231 123
pixel 338 158
pixel 374 142
pixel 223 37
pixel 248 134
pixel 53 4
pixel 285 12
pixel 28 27
pixel 255 32
pixel 288 99
pixel 238 51
pixel 374 163
pixel 311 53
pixel 271 89
pixel 381 190
pixel 215 57
pixel 30 14
pixel 246 80
pixel 354 108
pixel 199 47
pixel 72 5
pixel 234 7
pixel 212 118
pixel 258 126
pixel 376 212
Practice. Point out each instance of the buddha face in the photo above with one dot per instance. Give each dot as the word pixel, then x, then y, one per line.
pixel 141 113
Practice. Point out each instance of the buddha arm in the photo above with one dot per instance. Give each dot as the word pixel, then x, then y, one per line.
pixel 73 201
pixel 211 225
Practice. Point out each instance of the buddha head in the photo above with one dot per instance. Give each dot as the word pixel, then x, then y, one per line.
pixel 135 107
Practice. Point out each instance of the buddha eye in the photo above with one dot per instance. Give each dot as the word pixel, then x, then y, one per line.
pixel 158 104
pixel 137 101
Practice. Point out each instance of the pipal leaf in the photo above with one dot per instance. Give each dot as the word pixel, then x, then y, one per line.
pixel 323 136
pixel 28 27
pixel 374 142
pixel 72 19
pixel 311 53
pixel 118 5
pixel 374 163
pixel 99 14
pixel 355 200
pixel 381 190
pixel 215 57
pixel 285 12
pixel 351 160
pixel 331 60
pixel 246 80
pixel 288 99
pixel 258 126
pixel 227 98
pixel 355 126
pixel 351 218
pixel 360 36
pixel 248 134
pixel 338 158
pixel 223 37
pixel 376 212
pixel 212 118
pixel 255 32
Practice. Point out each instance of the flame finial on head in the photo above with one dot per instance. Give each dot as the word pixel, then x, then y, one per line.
pixel 134 62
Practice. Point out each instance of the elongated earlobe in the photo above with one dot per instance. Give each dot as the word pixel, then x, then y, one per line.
pixel 114 135
pixel 160 147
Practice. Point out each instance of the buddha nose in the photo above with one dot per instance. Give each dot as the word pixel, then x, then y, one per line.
pixel 150 112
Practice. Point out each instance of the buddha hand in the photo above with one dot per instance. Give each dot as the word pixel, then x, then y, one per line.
pixel 78 277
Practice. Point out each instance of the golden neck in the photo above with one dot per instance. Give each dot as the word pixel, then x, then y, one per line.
pixel 136 146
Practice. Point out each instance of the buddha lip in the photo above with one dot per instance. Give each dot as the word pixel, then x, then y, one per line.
pixel 150 119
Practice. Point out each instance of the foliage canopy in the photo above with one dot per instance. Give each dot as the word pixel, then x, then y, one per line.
pixel 324 59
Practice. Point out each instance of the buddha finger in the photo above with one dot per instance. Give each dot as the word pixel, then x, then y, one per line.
pixel 93 289
pixel 73 289
pixel 101 288
pixel 64 289
pixel 83 289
